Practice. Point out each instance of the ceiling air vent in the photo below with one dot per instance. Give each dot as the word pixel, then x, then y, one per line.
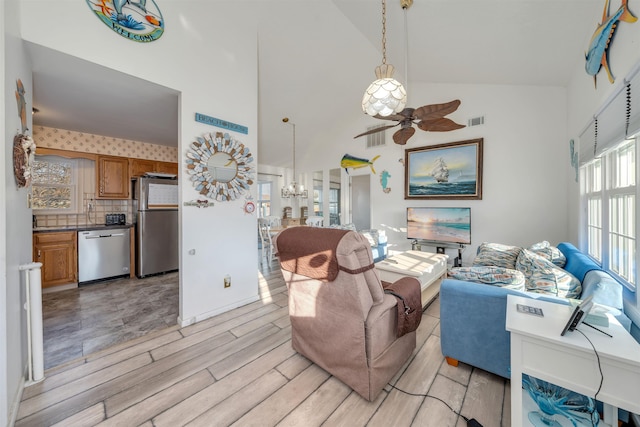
pixel 376 139
pixel 476 121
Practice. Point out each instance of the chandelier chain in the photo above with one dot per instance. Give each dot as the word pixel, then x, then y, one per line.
pixel 294 151
pixel 384 31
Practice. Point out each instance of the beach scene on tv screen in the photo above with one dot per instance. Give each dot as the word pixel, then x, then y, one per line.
pixel 439 224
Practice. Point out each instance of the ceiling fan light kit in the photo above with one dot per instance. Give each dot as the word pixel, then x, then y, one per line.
pixel 386 95
pixel 386 99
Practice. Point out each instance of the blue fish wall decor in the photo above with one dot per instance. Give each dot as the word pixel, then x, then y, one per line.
pixel 598 54
pixel 384 181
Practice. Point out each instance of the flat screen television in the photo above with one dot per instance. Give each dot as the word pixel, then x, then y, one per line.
pixel 446 225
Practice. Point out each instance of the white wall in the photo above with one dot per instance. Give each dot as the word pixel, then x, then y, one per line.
pixel 216 75
pixel 5 395
pixel 525 172
pixel 585 100
pixel 15 220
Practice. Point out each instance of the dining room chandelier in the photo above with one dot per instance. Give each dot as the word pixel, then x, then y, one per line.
pixel 385 96
pixel 293 190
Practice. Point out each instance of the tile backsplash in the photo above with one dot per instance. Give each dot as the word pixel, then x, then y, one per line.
pixel 97 144
pixel 99 208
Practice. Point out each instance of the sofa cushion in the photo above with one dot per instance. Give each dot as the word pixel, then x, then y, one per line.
pixel 497 255
pixel 371 236
pixel 350 226
pixel 543 276
pixel 553 254
pixel 496 276
pixel 604 288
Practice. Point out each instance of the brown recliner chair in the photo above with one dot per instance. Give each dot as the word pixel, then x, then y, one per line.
pixel 341 319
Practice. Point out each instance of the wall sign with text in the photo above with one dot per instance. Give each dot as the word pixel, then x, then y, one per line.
pixel 140 21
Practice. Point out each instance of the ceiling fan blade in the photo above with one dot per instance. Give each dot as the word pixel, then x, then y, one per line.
pixel 402 136
pixel 402 115
pixel 379 129
pixel 439 125
pixel 434 111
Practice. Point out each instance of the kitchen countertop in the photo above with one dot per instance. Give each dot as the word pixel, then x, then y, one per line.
pixel 87 227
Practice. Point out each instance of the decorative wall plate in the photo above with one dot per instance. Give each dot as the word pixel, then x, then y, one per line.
pixel 140 21
pixel 24 150
pixel 249 207
pixel 219 167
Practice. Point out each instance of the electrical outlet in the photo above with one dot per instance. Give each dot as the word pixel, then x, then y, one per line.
pixel 227 281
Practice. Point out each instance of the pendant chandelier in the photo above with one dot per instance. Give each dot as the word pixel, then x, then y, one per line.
pixel 293 190
pixel 385 96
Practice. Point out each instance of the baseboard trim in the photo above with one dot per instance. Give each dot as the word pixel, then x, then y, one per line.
pixel 209 314
pixel 15 404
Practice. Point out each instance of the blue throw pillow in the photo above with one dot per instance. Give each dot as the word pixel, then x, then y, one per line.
pixel 553 254
pixel 543 276
pixel 497 255
pixel 496 276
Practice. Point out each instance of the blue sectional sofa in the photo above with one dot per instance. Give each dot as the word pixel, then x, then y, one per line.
pixel 473 315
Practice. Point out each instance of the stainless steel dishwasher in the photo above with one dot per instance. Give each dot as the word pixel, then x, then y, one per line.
pixel 103 254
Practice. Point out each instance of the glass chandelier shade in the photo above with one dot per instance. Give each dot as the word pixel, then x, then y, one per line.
pixel 386 95
pixel 293 190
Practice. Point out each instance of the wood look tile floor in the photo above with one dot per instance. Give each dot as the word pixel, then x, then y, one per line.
pixel 238 368
pixel 81 321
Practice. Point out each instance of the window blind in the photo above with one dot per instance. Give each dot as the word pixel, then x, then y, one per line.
pixel 609 125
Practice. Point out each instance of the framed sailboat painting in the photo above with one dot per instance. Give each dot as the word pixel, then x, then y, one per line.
pixel 444 171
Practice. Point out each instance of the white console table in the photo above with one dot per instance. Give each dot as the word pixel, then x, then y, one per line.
pixel 428 268
pixel 569 361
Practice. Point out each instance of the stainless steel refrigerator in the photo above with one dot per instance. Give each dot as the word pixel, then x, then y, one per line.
pixel 156 203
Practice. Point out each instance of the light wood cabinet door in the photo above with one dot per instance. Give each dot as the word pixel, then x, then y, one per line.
pixel 167 167
pixel 112 177
pixel 59 257
pixel 139 167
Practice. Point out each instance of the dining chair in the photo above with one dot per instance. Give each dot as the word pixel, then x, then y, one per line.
pixel 315 221
pixel 266 251
pixel 274 220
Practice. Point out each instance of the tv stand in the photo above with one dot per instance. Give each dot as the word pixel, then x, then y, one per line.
pixel 441 248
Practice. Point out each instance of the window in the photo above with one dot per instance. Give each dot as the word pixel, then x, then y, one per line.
pixel 54 185
pixel 610 210
pixel 592 189
pixel 264 199
pixel 334 206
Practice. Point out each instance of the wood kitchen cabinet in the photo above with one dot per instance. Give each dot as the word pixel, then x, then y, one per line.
pixel 112 177
pixel 138 167
pixel 58 254
pixel 167 167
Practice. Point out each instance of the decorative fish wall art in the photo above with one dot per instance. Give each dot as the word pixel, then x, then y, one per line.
pixel 384 181
pixel 349 161
pixel 573 154
pixel 598 54
pixel 140 21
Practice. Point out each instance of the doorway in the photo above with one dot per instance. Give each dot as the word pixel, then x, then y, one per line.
pixel 361 201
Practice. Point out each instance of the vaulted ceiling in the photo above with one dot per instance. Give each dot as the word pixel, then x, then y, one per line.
pixel 316 57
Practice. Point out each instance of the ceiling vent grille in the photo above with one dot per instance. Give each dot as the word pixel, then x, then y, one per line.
pixel 476 121
pixel 376 139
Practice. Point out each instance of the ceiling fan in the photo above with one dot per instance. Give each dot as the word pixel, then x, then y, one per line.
pixel 430 118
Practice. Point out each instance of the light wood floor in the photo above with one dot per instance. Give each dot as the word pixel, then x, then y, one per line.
pixel 238 368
